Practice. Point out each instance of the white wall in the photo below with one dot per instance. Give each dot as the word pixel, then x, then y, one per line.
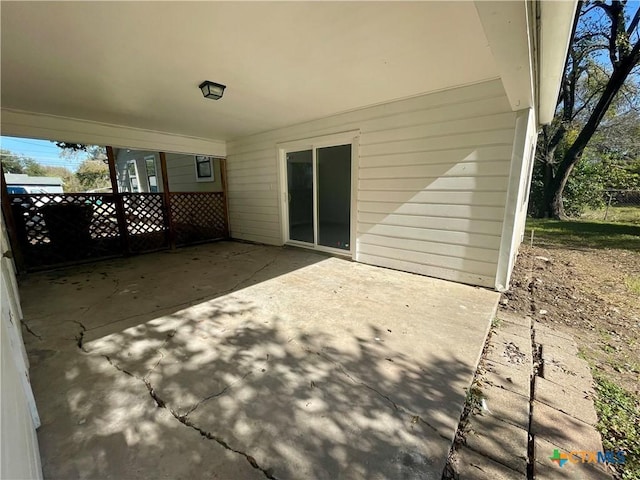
pixel 523 156
pixel 432 181
pixel 19 454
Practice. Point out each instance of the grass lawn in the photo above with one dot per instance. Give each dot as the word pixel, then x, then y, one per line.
pixel 589 285
pixel 583 234
pixel 615 214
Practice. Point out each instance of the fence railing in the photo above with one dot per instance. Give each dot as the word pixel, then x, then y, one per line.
pixel 54 229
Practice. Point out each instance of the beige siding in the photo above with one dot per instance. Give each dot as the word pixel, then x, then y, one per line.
pixel 181 171
pixel 432 181
pixel 20 456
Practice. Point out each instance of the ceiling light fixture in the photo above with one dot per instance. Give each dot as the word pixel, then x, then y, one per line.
pixel 212 90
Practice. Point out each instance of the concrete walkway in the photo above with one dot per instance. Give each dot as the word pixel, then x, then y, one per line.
pixel 237 361
pixel 532 397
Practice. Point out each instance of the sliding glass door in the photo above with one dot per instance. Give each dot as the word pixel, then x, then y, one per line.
pixel 333 184
pixel 300 196
pixel 319 196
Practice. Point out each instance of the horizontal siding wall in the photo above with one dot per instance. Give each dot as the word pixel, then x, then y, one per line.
pixel 181 171
pixel 432 181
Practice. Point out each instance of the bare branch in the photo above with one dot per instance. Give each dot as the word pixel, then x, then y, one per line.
pixel 634 22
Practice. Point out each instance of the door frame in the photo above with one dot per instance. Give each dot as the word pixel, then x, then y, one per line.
pixel 344 138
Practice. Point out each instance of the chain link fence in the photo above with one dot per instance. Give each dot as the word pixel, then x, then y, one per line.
pixel 618 206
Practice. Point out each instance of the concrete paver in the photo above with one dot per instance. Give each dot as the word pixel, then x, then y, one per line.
pixel 516 319
pixel 510 407
pixel 514 378
pixel 235 360
pixel 562 375
pixel 470 465
pixel 563 430
pixel 541 329
pixel 498 440
pixel 546 469
pixel 554 355
pixel 510 328
pixel 509 349
pixel 566 399
pixel 544 337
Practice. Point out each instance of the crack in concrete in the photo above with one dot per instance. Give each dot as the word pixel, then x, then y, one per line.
pixel 251 277
pixel 28 329
pixel 161 403
pixel 388 399
pixel 215 395
pixel 80 336
pixel 169 336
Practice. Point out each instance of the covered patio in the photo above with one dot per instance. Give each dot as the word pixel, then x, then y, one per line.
pixel 234 360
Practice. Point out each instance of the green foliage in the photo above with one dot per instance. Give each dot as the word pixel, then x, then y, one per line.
pixel 16 163
pixel 618 413
pixel 585 188
pixel 93 174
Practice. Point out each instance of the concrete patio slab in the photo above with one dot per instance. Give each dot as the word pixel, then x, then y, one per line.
pixel 243 361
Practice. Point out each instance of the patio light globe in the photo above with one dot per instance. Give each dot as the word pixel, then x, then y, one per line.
pixel 212 90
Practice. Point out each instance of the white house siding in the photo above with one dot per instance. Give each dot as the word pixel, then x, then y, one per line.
pixel 432 181
pixel 523 157
pixel 19 454
pixel 181 171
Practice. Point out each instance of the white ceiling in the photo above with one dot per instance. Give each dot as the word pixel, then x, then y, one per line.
pixel 139 64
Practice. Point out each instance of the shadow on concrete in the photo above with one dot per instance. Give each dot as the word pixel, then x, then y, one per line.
pixel 247 385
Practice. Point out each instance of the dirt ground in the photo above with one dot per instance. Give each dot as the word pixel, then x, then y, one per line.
pixel 591 294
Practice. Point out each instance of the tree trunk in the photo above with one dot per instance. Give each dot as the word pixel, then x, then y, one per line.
pixel 574 153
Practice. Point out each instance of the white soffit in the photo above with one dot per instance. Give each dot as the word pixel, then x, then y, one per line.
pixel 507 29
pixel 556 24
pixel 139 64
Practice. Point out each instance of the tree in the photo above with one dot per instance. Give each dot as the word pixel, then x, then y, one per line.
pixel 11 163
pixel 70 182
pixel 589 88
pixel 93 174
pixel 76 151
pixel 16 163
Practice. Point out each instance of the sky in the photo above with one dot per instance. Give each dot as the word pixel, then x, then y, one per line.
pixel 44 152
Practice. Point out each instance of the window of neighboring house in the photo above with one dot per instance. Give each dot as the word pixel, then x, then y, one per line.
pixel 132 172
pixel 204 169
pixel 150 163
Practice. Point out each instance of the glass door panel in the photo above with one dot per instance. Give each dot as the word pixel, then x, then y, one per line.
pixel 300 196
pixel 333 181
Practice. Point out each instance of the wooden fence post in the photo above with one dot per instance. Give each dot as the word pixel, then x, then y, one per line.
pixel 167 199
pixel 118 202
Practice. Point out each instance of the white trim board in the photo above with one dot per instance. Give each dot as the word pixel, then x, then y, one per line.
pixel 18 123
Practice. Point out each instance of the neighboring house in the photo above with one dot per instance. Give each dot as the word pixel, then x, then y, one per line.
pixel 22 183
pixel 139 171
pixel 398 134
